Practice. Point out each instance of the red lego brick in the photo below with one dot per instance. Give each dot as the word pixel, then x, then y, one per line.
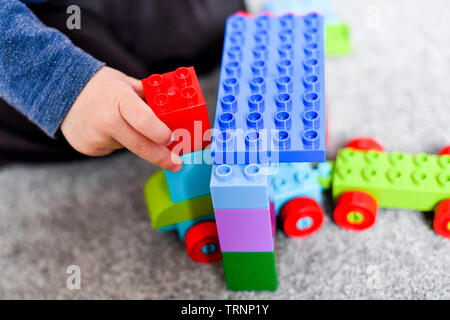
pixel 177 99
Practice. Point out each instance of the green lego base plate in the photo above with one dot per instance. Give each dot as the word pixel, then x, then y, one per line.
pixel 396 180
pixel 250 270
pixel 164 212
pixel 337 39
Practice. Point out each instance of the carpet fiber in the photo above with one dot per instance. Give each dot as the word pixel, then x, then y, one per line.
pixel 395 87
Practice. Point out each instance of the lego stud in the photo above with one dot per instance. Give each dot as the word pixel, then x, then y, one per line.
pixel 183 77
pixel 311 34
pixel 421 159
pixel 285 51
pixel 311 19
pixel 311 82
pixel 287 21
pixel 233 68
pixel 347 154
pixel 444 161
pixel 343 172
pixel 252 140
pixel 229 103
pixel 236 38
pixel 256 102
pixel 255 120
pixel 301 177
pixel 235 53
pixel 369 174
pixel 286 35
pixel 262 22
pixel 371 156
pixel 155 82
pixel 283 120
pixel 223 172
pixel 444 179
pixel 189 94
pixel 311 119
pixel 259 68
pixel 237 23
pixel 285 67
pixel 231 85
pixel 311 100
pixel 260 52
pixel 252 171
pixel 224 140
pixel 227 121
pixel 284 83
pixel 283 101
pixel 161 99
pixel 394 175
pixel 311 49
pixel 261 37
pixel 396 158
pixel 311 65
pixel 419 177
pixel 310 138
pixel 282 140
pixel 257 84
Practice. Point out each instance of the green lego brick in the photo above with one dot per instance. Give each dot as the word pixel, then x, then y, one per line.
pixel 254 271
pixel 396 180
pixel 164 212
pixel 337 39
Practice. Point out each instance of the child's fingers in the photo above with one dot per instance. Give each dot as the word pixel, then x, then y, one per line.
pixel 146 149
pixel 142 118
pixel 137 86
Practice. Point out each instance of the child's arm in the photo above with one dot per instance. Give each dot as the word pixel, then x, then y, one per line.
pixel 43 75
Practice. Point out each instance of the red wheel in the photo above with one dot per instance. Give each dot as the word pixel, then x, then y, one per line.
pixel 301 217
pixel 365 143
pixel 442 219
pixel 202 242
pixel 355 210
pixel 445 150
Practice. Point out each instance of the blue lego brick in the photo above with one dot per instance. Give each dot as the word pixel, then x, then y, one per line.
pixel 324 7
pixel 193 179
pixel 271 98
pixel 293 180
pixel 240 186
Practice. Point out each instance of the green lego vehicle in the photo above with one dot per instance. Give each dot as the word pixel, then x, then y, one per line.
pixel 365 178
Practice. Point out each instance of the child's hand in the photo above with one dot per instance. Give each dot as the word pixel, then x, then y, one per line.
pixel 110 114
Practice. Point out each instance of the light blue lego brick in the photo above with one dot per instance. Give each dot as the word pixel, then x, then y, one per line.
pixel 193 179
pixel 240 186
pixel 293 180
pixel 324 7
pixel 271 98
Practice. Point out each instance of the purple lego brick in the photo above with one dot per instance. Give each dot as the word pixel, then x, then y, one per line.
pixel 245 230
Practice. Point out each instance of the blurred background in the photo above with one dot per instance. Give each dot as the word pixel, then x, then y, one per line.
pixel 392 85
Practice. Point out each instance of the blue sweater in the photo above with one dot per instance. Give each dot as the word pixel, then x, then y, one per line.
pixel 41 71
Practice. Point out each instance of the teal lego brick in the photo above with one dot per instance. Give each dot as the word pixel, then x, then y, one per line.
pixel 396 180
pixel 193 179
pixel 254 271
pixel 293 180
pixel 240 186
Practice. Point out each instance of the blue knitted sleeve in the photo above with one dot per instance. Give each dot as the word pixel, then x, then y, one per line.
pixel 41 71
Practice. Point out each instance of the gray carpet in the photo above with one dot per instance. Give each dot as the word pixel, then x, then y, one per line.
pixel 395 86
